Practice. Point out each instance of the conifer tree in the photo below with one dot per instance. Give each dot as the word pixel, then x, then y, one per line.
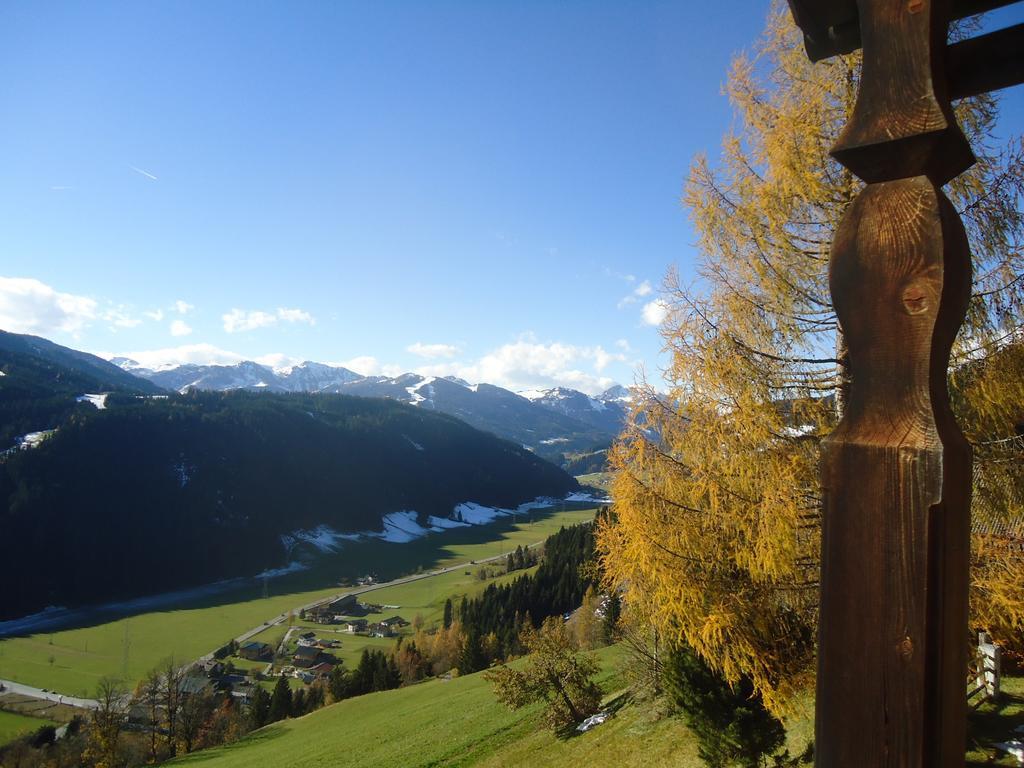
pixel 280 701
pixel 259 707
pixel 717 514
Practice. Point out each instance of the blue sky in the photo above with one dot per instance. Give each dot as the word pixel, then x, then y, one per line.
pixel 481 188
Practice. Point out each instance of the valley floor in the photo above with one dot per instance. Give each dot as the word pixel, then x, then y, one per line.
pixel 73 661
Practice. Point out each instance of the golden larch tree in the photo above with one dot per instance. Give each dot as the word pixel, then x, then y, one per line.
pixel 715 530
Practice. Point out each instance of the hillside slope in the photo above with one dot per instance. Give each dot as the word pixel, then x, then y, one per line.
pixel 149 495
pixel 40 381
pixel 453 723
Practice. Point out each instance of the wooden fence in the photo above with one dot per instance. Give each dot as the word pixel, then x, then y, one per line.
pixel 985 670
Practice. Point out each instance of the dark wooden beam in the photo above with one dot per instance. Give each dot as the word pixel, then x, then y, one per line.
pixel 986 63
pixel 832 27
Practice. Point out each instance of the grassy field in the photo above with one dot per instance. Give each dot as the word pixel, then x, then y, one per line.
pixel 459 723
pixel 992 723
pixel 73 661
pixel 14 725
pixel 602 480
pixel 425 598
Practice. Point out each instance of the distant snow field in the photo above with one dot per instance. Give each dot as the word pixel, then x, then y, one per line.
pixel 100 400
pixel 403 527
pixel 34 439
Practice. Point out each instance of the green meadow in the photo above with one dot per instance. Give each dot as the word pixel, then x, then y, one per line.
pixel 425 598
pixel 459 723
pixel 13 725
pixel 73 661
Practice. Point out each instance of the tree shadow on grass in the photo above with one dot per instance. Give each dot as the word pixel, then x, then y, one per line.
pixel 611 707
pixel 256 738
pixel 992 723
pixel 387 560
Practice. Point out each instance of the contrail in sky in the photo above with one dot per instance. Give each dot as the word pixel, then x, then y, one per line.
pixel 144 173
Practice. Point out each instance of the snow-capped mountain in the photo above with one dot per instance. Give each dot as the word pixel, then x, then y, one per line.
pixel 304 377
pixel 552 422
pixel 606 411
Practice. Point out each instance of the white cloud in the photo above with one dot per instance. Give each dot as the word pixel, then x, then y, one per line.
pixel 644 289
pixel 183 307
pixel 240 320
pixel 277 360
pixel 295 316
pixel 366 365
pixel 195 354
pixel 30 306
pixel 623 345
pixel 119 317
pixel 156 314
pixel 247 320
pixel 180 328
pixel 529 364
pixel 655 312
pixel 431 351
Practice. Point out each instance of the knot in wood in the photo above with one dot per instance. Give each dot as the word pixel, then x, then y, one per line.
pixel 916 297
pixel 915 6
pixel 907 648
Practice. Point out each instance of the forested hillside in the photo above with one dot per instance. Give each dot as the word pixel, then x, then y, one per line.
pixel 153 494
pixel 39 381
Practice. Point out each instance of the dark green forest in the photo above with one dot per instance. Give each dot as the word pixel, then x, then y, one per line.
pixel 556 587
pixel 154 494
pixel 40 381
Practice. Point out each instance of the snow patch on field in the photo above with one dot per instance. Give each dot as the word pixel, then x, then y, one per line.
pixel 323 538
pixel 33 439
pixel 414 444
pixel 401 527
pixel 588 497
pixel 292 567
pixel 477 514
pixel 100 400
pixel 439 524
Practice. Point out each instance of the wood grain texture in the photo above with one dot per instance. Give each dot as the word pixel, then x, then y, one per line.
pixel 902 124
pixel 895 475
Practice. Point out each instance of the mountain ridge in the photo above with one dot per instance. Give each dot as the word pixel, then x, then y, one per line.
pixel 549 422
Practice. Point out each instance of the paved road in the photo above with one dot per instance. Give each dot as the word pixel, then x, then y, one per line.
pixel 9 686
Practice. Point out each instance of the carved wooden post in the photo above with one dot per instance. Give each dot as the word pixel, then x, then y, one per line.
pixel 892 651
pixel 896 472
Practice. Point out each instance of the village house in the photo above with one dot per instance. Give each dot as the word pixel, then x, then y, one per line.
pixel 333 612
pixel 306 656
pixel 210 667
pixel 322 670
pixel 196 685
pixel 357 625
pixel 256 651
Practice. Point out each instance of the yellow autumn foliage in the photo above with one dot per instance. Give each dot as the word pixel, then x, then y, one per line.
pixel 715 531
